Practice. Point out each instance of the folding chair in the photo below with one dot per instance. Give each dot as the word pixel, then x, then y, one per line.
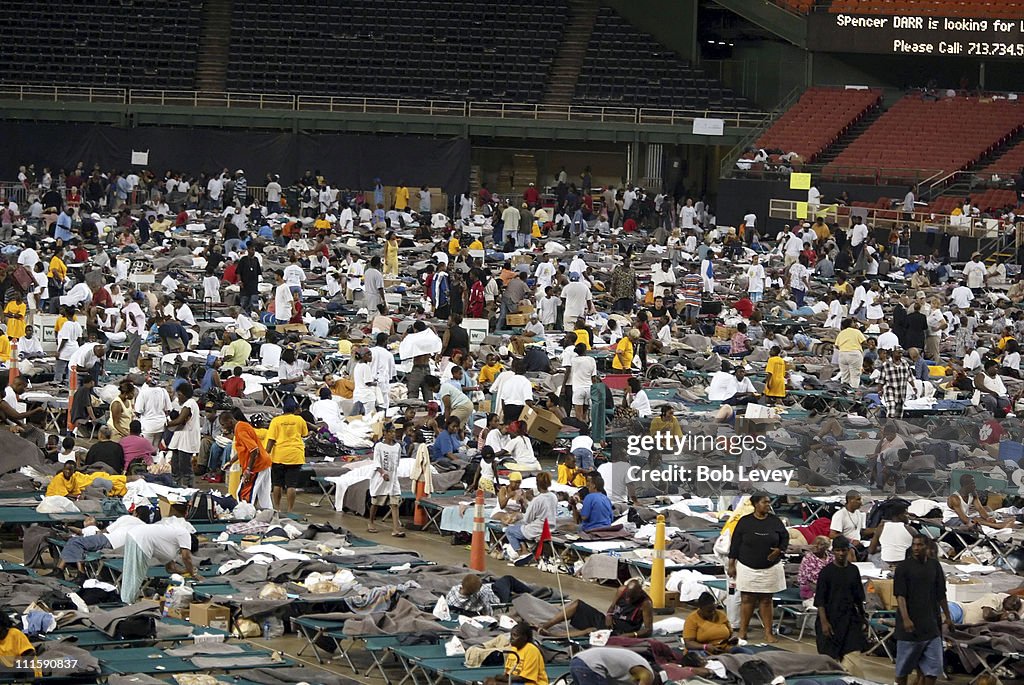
pixel 799 613
pixel 881 630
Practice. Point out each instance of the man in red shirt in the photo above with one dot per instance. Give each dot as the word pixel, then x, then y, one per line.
pixel 234 386
pixel 531 196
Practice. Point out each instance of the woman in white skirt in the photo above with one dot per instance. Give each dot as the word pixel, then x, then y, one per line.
pixel 755 562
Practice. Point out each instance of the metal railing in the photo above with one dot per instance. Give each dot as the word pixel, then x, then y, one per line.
pixel 846 173
pixel 729 161
pixel 976 228
pixel 397 106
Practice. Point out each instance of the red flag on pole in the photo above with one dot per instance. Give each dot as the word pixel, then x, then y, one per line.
pixel 545 535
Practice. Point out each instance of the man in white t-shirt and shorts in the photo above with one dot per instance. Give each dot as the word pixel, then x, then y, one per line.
pixel 582 374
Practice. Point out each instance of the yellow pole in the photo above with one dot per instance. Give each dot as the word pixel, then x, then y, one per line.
pixel 658 567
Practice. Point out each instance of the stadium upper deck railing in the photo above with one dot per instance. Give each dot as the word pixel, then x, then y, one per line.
pixel 397 106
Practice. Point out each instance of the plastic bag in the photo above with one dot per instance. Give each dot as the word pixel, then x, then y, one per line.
pixel 57 504
pixel 442 612
pixel 273 591
pixel 454 646
pixel 243 511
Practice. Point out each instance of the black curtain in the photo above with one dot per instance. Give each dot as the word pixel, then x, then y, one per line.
pixel 346 160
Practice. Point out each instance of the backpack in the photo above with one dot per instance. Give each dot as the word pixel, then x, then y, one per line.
pixel 201 507
pixel 135 628
pixel 881 510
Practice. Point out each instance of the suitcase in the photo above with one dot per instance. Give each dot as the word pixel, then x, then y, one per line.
pixel 23 278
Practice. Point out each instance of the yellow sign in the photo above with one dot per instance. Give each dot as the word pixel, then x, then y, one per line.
pixel 799 181
pixel 801 210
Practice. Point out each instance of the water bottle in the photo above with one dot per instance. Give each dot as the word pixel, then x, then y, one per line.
pixel 266 629
pixel 732 587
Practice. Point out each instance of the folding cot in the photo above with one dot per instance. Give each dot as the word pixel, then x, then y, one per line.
pixel 316 629
pixel 153 661
pixel 91 638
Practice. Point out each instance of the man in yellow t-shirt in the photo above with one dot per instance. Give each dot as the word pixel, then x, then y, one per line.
pixel 401 196
pixel 524 663
pixel 490 371
pixel 453 245
pixel 287 452
pixel 850 343
pixel 72 483
pixel 476 244
pixel 623 360
pixel 775 384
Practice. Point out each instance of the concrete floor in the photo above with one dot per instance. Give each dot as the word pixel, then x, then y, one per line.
pixel 438 549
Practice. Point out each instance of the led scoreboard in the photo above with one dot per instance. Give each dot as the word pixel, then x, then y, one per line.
pixel 910 35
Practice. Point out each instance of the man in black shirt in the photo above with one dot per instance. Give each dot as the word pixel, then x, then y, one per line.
pixel 249 271
pixel 839 597
pixel 106 452
pixel 920 589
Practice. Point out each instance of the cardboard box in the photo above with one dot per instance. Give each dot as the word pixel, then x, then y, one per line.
pixel 724 332
pixel 761 426
pixel 179 613
pixel 522 259
pixel 484 406
pixel 526 308
pixel 960 590
pixel 541 424
pixel 671 600
pixel 210 615
pixel 292 328
pixel 516 320
pixel 882 588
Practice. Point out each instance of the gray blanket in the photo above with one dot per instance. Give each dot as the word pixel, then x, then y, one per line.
pixel 783 663
pixel 404 618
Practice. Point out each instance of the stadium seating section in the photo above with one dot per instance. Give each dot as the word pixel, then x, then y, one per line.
pixel 101 43
pixel 479 50
pixel 798 6
pixel 818 119
pixel 932 135
pixel 987 201
pixel 1006 9
pixel 626 67
pixel 1009 164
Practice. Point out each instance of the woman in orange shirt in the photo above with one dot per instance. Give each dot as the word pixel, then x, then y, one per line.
pixel 251 456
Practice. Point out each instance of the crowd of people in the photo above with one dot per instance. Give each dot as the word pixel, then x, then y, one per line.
pixel 625 279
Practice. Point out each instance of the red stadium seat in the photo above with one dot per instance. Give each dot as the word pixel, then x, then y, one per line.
pixel 818 119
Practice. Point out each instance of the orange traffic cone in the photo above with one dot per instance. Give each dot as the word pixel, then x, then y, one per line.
pixel 73 379
pixel 13 372
pixel 478 550
pixel 419 518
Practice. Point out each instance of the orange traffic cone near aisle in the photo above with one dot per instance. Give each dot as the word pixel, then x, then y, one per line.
pixel 13 372
pixel 419 518
pixel 73 378
pixel 478 548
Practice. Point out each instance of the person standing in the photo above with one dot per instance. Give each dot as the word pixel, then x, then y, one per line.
pixel 248 271
pixel 135 328
pixel 287 452
pixel 895 376
pixel 851 523
pixel 623 287
pixel 775 383
pixel 273 195
pixel 850 343
pixel 252 458
pixel 384 487
pixel 186 438
pixel 920 589
pixel 373 289
pixel 839 597
pixel 758 544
